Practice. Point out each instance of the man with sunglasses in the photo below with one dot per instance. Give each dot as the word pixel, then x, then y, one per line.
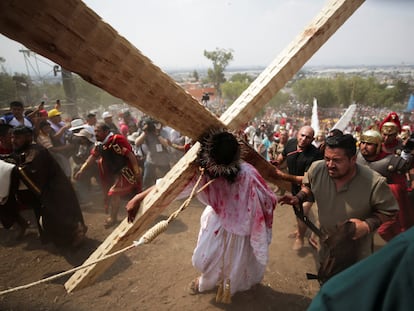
pixel 346 192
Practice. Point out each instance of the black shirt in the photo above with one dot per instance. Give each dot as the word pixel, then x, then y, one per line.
pixel 298 162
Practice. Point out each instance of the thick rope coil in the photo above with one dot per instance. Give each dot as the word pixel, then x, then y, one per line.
pixel 162 226
pixel 148 237
pixel 152 233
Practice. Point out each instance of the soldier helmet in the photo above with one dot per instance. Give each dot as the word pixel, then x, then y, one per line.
pixel 372 137
pixel 391 124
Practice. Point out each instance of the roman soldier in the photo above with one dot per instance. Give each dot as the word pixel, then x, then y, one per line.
pixel 393 167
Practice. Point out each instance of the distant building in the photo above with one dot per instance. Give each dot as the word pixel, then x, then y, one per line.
pixel 197 91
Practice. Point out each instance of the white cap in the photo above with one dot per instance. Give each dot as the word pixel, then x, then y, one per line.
pixel 85 133
pixel 106 114
pixel 76 124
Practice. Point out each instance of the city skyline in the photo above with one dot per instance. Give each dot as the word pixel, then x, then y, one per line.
pixel 174 34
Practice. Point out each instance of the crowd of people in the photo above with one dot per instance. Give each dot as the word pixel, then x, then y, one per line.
pixel 117 155
pixel 358 181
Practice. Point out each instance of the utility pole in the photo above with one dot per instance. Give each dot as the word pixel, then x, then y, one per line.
pixel 69 88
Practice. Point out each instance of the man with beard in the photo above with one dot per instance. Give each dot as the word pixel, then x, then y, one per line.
pixel 393 168
pixel 118 166
pixel 346 192
pixel 45 188
pixel 9 207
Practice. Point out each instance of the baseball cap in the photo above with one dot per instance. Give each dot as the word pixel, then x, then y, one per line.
pixel 53 113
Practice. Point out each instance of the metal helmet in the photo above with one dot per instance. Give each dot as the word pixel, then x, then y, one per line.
pixel 372 137
pixel 389 128
pixel 391 124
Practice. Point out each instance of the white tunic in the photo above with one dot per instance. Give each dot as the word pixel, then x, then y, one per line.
pixel 241 211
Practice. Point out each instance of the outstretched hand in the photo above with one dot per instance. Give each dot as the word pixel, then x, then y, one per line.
pixel 288 199
pixel 132 207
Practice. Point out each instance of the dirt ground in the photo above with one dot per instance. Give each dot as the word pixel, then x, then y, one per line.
pixel 150 277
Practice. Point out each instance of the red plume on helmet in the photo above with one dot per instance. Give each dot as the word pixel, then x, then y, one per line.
pixel 391 124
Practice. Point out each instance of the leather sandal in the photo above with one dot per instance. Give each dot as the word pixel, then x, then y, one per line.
pixel 194 287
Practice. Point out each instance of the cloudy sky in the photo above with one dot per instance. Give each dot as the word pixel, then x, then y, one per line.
pixel 174 33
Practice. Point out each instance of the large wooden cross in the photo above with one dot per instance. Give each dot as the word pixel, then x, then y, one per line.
pixel 75 37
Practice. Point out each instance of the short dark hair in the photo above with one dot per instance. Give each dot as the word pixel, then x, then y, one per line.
pixel 345 141
pixel 22 130
pixel 103 126
pixel 335 132
pixel 90 115
pixel 4 129
pixel 16 104
pixel 43 123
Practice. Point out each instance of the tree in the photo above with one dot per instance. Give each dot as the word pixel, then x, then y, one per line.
pixel 232 89
pixel 279 100
pixel 241 77
pixel 306 89
pixel 220 58
pixel 2 61
pixel 7 90
pixel 195 75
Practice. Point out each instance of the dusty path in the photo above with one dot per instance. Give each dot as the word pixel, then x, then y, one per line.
pixel 150 277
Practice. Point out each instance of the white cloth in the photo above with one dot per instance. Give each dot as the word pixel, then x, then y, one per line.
pixel 244 209
pixel 5 174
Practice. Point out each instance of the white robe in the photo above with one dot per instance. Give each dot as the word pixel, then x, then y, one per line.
pixel 5 174
pixel 241 211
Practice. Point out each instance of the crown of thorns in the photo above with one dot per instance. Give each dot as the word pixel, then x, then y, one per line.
pixel 219 153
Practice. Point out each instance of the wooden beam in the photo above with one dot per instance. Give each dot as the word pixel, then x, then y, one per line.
pixel 75 37
pixel 289 61
pixel 154 204
pixel 236 113
pixel 72 35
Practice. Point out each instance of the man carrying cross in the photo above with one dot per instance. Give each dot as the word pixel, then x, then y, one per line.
pixel 236 225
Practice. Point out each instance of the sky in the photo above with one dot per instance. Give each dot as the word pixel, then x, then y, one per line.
pixel 175 33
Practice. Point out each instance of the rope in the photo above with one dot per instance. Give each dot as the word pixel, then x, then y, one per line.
pixel 147 238
pixel 59 275
pixel 224 292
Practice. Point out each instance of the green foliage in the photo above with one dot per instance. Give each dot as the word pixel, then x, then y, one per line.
pixel 7 90
pixel 90 96
pixel 241 77
pixel 232 89
pixel 195 76
pixel 343 90
pixel 220 58
pixel 279 100
pixel 20 87
pixel 323 89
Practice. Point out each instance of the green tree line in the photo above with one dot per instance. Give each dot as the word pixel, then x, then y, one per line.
pixel 339 91
pixel 343 90
pixel 21 87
